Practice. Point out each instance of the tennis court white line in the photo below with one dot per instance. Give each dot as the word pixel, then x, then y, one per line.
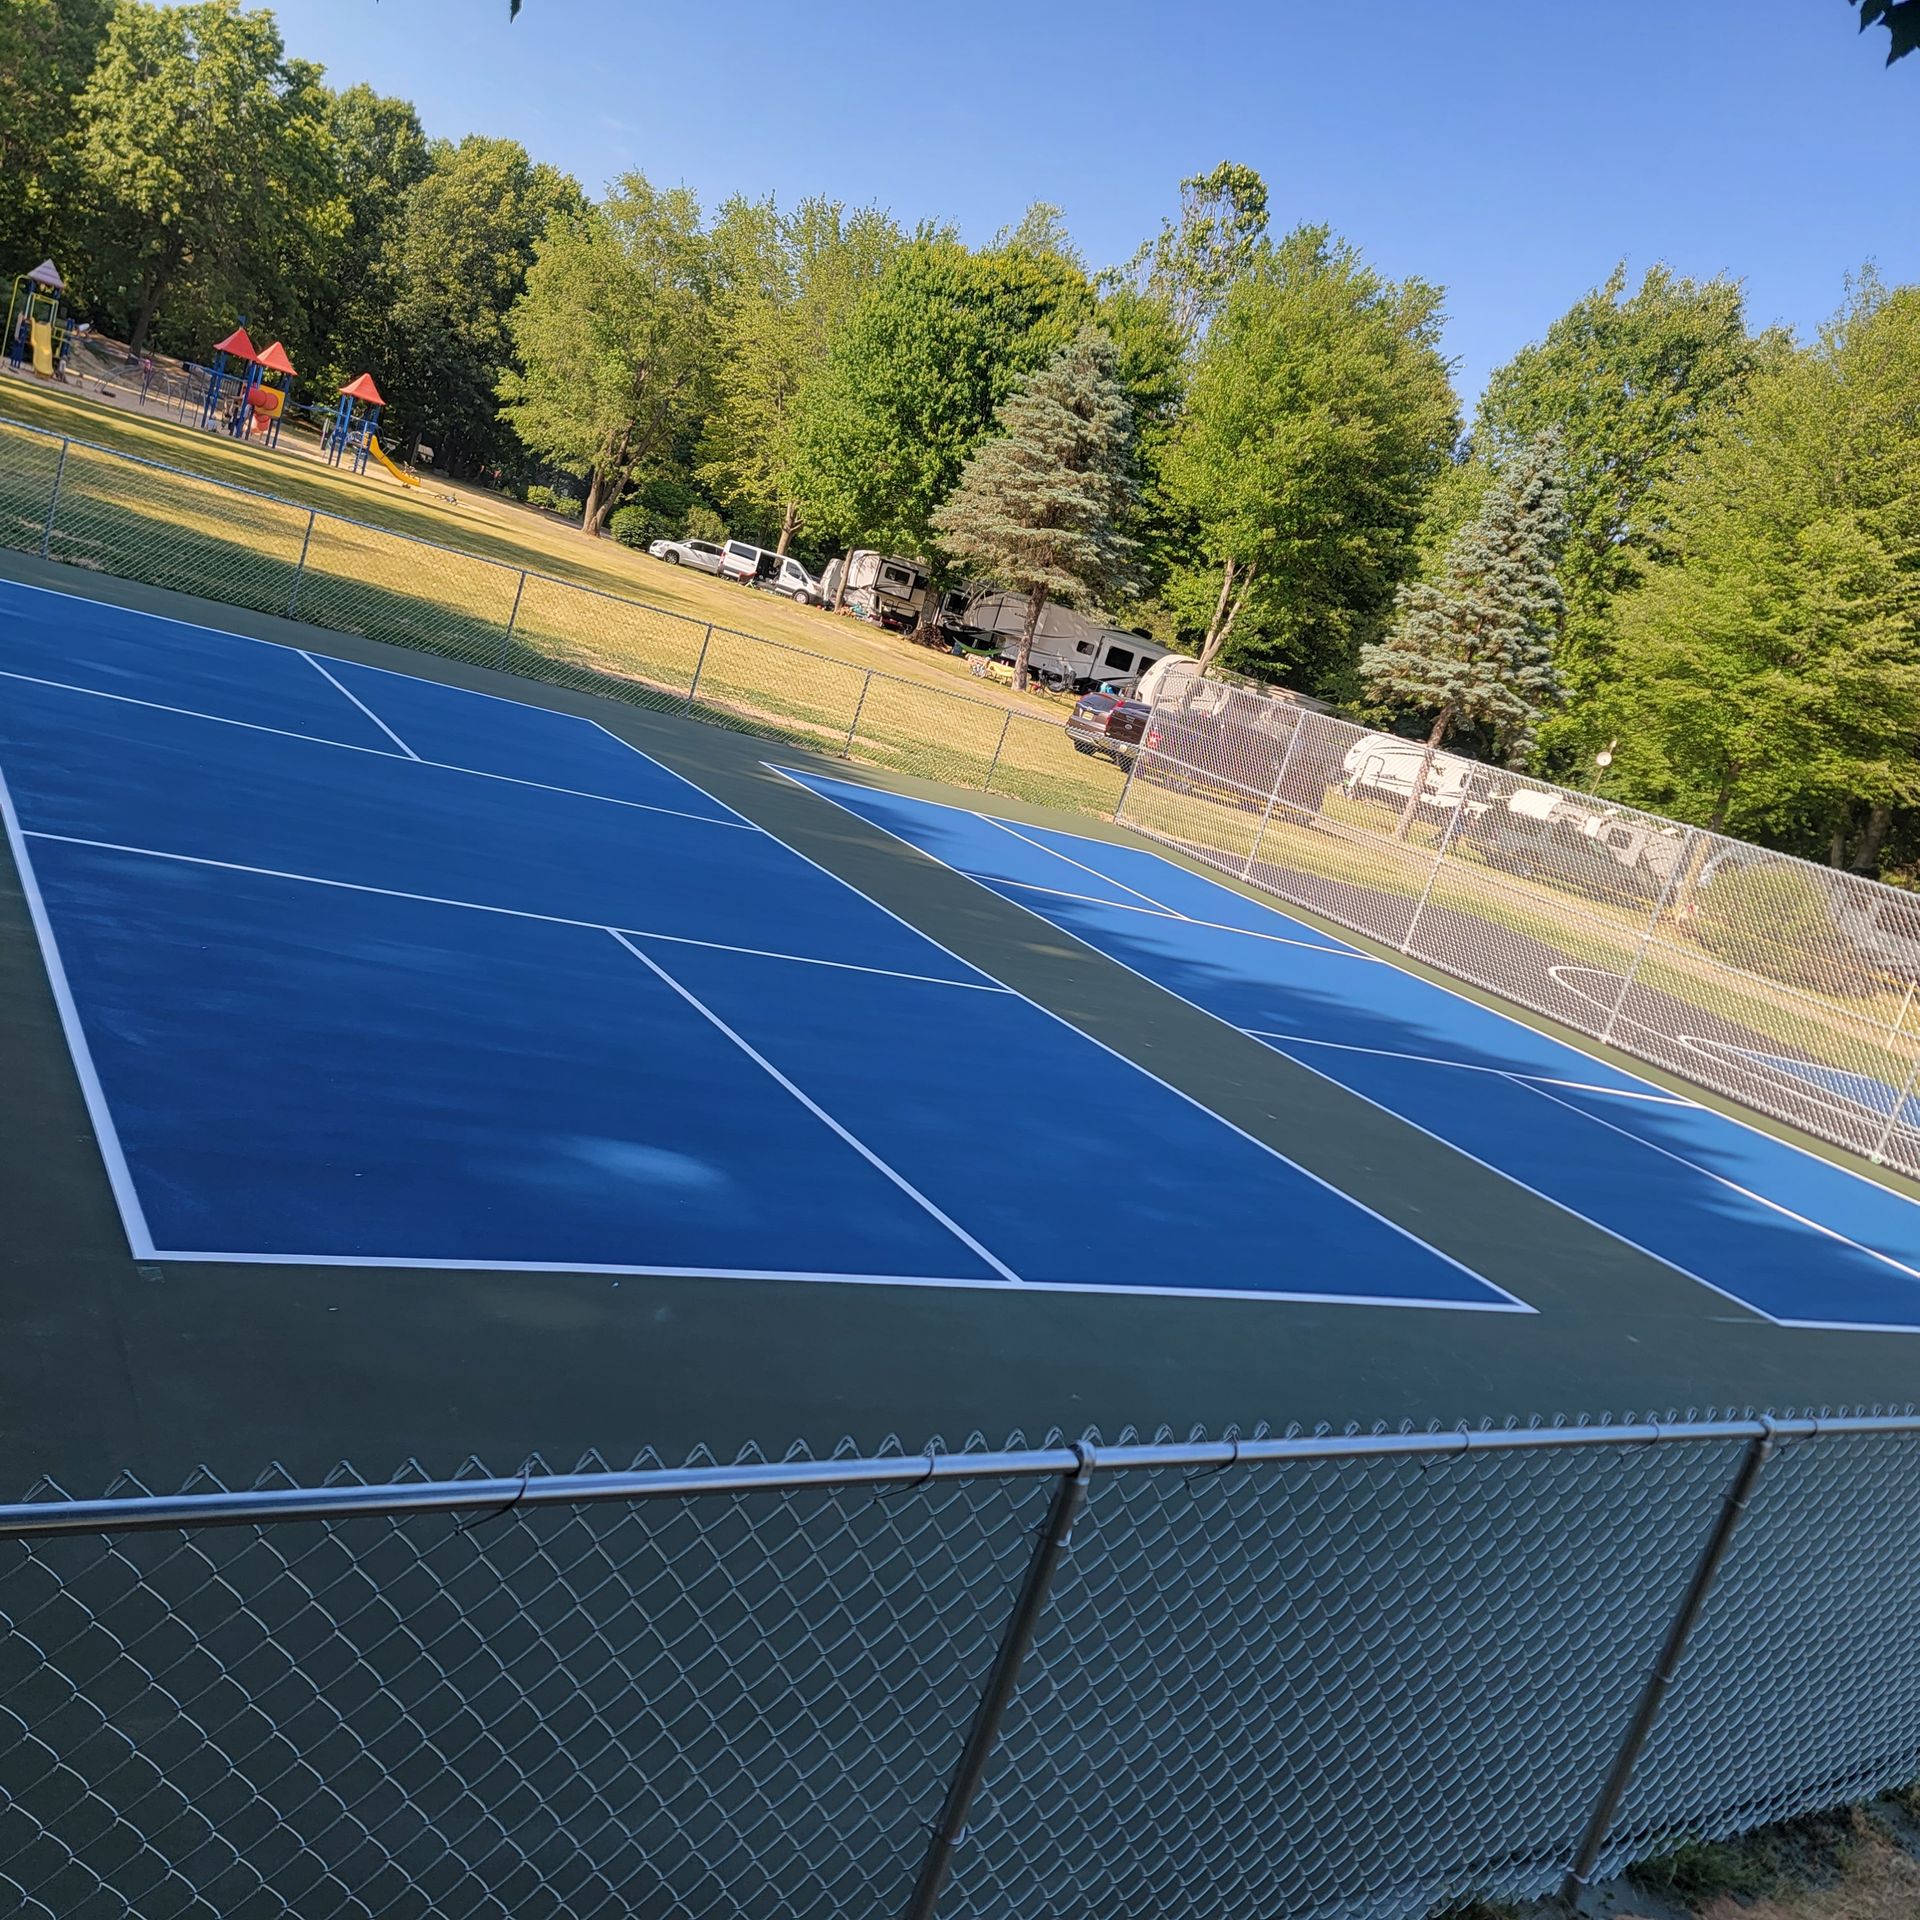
pixel 133 1218
pixel 819 1112
pixel 1474 1066
pixel 509 913
pixel 1040 846
pixel 1506 1303
pixel 1732 1186
pixel 737 824
pixel 358 702
pixel 995 881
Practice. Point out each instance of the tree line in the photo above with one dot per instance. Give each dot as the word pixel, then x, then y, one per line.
pixel 1661 528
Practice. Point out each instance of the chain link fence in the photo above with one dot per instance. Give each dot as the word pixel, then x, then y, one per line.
pixel 1788 986
pixel 1359 1677
pixel 118 514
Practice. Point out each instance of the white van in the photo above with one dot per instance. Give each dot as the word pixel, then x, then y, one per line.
pixel 762 567
pixel 1385 766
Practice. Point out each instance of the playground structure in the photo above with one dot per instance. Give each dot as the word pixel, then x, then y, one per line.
pixel 37 323
pixel 256 406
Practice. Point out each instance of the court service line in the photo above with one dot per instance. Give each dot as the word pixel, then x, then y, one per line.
pixel 133 1218
pixel 509 913
pixel 1040 846
pixel 1506 1303
pixel 738 824
pixel 554 713
pixel 357 701
pixel 1474 1066
pixel 996 882
pixel 819 1112
pixel 1734 1186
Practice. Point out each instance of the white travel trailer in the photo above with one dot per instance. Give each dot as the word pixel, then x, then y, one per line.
pixel 1385 766
pixel 1069 649
pixel 881 587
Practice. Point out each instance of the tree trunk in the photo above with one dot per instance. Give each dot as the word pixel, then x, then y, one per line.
pixel 1438 733
pixel 1036 601
pixel 593 516
pixel 789 525
pixel 1226 611
pixel 1873 836
pixel 1837 841
pixel 1703 850
pixel 150 292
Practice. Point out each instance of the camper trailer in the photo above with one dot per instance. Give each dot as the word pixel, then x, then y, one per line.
pixel 1386 767
pixel 1070 650
pixel 881 587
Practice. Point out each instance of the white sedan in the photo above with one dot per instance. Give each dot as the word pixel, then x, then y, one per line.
pixel 687 553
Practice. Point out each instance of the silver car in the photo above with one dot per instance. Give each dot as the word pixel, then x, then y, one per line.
pixel 687 553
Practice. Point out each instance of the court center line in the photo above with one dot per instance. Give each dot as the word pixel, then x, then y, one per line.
pixel 1473 1066
pixel 510 913
pixel 1505 1302
pixel 819 1112
pixel 358 702
pixel 738 824
pixel 1732 1186
pixel 1040 846
pixel 133 1218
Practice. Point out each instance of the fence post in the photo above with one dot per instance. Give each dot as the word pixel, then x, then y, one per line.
pixel 299 572
pixel 1279 779
pixel 999 746
pixel 53 505
pixel 859 707
pixel 1681 862
pixel 693 685
pixel 513 617
pixel 1900 1102
pixel 1002 1680
pixel 1733 1505
pixel 1426 892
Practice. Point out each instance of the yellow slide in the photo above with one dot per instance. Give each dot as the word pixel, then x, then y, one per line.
pixel 379 452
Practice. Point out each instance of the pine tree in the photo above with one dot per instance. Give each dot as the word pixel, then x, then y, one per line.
pixel 1038 506
pixel 1475 646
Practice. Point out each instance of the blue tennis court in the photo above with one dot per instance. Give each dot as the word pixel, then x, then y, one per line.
pixel 1795 1238
pixel 362 969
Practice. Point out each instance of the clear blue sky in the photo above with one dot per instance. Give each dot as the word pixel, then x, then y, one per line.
pixel 1511 150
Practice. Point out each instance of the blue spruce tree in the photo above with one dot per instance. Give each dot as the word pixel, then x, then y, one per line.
pixel 1475 647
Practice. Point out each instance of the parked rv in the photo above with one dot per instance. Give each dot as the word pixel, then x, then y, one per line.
pixel 761 567
pixel 1070 650
pixel 881 587
pixel 1384 766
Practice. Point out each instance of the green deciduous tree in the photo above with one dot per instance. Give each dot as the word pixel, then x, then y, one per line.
pixel 1767 675
pixel 47 50
pixel 1195 259
pixel 784 286
pixel 612 339
pixel 199 147
pixel 454 263
pixel 910 385
pixel 1319 411
pixel 1630 381
pixel 1475 647
pixel 1039 507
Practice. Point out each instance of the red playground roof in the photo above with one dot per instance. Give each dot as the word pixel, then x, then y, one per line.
pixel 362 388
pixel 275 360
pixel 237 344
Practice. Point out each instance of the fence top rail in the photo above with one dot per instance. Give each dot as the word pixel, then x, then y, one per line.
pixel 503 566
pixel 146 1513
